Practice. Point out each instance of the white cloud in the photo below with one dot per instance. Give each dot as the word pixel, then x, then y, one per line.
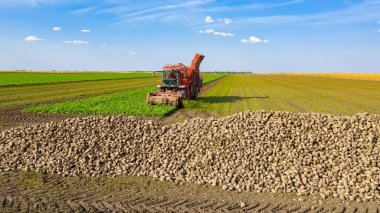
pixel 57 28
pixel 212 31
pixel 207 31
pixel 223 34
pixel 33 38
pixel 224 20
pixel 85 31
pixel 75 42
pixel 133 53
pixel 209 20
pixel 254 39
pixel 227 20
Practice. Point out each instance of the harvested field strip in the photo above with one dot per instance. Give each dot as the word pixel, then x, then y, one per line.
pixel 262 151
pixel 334 94
pixel 25 95
pixel 131 102
pixel 25 78
pixel 290 93
pixel 357 76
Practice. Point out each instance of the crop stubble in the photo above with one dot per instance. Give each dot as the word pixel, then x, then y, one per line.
pixel 291 93
pixel 357 76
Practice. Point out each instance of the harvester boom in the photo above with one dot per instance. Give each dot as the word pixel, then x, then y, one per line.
pixel 197 62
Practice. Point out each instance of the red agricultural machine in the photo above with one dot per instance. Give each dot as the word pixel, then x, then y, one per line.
pixel 178 81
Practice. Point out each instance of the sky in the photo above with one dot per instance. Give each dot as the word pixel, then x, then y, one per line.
pixel 241 35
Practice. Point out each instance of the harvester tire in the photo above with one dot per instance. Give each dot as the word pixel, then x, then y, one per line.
pixel 192 93
pixel 196 93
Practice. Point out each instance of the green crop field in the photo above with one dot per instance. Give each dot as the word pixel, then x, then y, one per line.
pixel 34 94
pixel 207 78
pixel 129 103
pixel 232 94
pixel 290 93
pixel 22 78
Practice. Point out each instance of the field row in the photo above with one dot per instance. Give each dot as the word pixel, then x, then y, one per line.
pixel 237 93
pixel 34 94
pixel 357 76
pixel 27 78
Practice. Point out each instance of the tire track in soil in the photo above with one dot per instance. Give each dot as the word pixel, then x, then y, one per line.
pixel 139 203
pixel 60 195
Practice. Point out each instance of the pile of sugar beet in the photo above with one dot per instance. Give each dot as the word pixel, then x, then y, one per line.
pixel 259 151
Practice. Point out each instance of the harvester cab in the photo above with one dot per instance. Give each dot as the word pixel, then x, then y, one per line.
pixel 170 78
pixel 178 82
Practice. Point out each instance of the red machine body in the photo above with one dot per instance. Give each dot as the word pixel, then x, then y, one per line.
pixel 178 81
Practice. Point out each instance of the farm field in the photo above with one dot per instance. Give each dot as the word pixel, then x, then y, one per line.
pixel 131 102
pixel 25 78
pixel 207 78
pixel 190 106
pixel 107 155
pixel 236 93
pixel 290 93
pixel 33 94
pixel 357 76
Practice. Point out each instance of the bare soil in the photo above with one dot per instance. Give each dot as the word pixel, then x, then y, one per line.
pixel 36 192
pixel 13 117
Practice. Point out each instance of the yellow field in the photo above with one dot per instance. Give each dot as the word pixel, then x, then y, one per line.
pixel 358 76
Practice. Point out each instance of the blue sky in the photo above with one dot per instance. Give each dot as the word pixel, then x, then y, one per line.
pixel 258 36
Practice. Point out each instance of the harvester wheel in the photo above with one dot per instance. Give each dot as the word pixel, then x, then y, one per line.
pixel 192 92
pixel 196 93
